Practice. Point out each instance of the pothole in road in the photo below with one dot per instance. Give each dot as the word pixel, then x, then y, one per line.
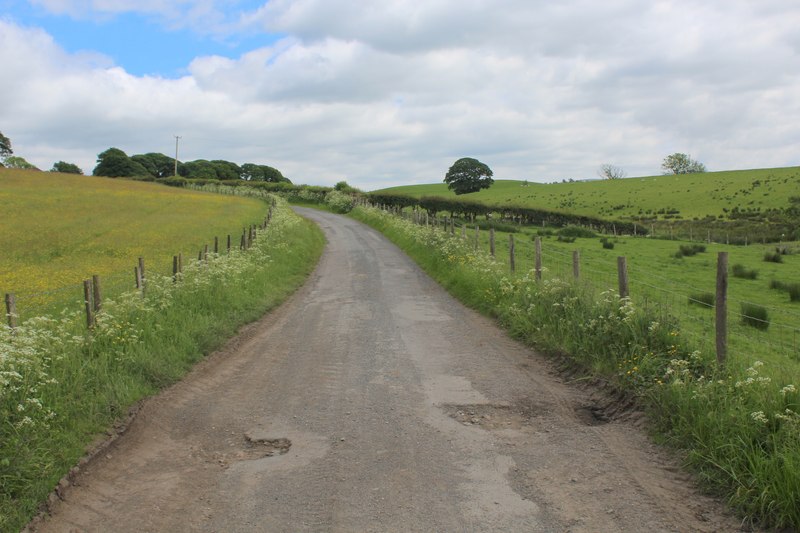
pixel 495 416
pixel 257 448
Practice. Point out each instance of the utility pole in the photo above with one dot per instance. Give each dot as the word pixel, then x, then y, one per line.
pixel 176 155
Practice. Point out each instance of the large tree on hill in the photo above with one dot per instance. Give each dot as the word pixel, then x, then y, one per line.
pixel 468 175
pixel 254 172
pixel 679 163
pixel 66 168
pixel 114 163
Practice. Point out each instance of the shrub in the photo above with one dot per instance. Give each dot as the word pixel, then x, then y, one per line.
pixel 690 249
pixel 794 292
pixel 778 285
pixel 577 231
pixel 703 299
pixel 562 238
pixel 754 315
pixel 339 202
pixel 740 271
pixel 608 245
pixel 771 257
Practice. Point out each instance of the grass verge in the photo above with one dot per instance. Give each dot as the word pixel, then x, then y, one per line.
pixel 739 429
pixel 60 385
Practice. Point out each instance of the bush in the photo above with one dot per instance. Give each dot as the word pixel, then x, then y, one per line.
pixel 562 238
pixel 577 231
pixel 755 316
pixel 740 271
pixel 690 249
pixel 545 233
pixel 778 285
pixel 776 257
pixel 607 245
pixel 794 292
pixel 339 202
pixel 703 299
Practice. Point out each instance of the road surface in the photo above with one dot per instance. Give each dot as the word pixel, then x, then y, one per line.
pixel 373 401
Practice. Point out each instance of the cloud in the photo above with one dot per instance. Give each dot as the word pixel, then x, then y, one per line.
pixel 381 95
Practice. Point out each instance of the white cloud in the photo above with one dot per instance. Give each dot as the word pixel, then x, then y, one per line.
pixel 395 93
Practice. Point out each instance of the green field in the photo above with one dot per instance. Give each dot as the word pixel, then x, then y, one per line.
pixel 668 197
pixel 59 229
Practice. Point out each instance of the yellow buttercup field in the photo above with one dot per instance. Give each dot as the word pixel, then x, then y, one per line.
pixel 58 229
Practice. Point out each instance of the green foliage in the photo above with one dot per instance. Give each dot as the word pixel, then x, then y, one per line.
pixel 607 245
pixel 679 163
pixel 339 202
pixel 773 257
pixel 19 163
pixel 5 146
pixel 703 299
pixel 688 250
pixel 114 163
pixel 755 315
pixel 66 168
pixel 741 271
pixel 157 165
pixel 468 175
pixel 254 172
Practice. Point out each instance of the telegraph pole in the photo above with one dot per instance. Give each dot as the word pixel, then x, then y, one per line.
pixel 176 154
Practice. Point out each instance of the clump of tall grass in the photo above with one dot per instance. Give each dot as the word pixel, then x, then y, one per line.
pixel 688 250
pixel 740 271
pixel 755 315
pixel 773 257
pixel 703 299
pixel 792 288
pixel 607 245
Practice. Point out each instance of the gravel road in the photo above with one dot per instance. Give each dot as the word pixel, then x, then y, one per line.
pixel 373 401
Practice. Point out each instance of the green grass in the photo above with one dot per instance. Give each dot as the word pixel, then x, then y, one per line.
pixel 63 386
pixel 739 425
pixel 59 229
pixel 687 196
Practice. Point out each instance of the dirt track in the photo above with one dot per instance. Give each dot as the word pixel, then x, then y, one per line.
pixel 372 401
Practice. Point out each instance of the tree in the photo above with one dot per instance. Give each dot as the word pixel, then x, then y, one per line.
pixel 13 161
pixel 611 172
pixel 468 175
pixel 157 165
pixel 254 172
pixel 66 168
pixel 114 163
pixel 5 146
pixel 679 163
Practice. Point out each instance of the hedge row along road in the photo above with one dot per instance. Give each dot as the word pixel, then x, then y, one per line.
pixel 373 401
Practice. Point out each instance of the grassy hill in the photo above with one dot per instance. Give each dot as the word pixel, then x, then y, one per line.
pixel 687 196
pixel 59 229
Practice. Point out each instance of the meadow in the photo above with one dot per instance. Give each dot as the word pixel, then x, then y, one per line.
pixel 62 385
pixel 59 229
pixel 665 198
pixel 738 426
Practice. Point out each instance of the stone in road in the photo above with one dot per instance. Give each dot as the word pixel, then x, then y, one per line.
pixel 373 401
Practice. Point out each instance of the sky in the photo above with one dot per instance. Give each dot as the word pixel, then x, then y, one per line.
pixel 393 92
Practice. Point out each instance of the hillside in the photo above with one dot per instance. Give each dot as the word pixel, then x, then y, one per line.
pixel 686 196
pixel 59 229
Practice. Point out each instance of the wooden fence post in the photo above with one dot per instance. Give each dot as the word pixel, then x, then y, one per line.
pixel 87 300
pixel 243 242
pixel 229 243
pixel 205 253
pixel 141 271
pixel 622 276
pixel 11 310
pixel 97 295
pixel 174 268
pixel 538 258
pixel 576 264
pixel 137 273
pixel 721 305
pixel 216 245
pixel 491 241
pixel 511 253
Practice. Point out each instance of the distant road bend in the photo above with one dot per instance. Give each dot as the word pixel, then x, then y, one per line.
pixel 373 401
